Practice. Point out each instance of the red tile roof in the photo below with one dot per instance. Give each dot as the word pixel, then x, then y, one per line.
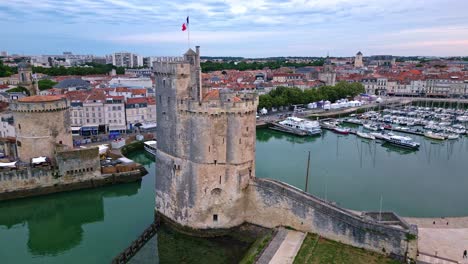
pixel 40 98
pixel 137 100
pixel 211 95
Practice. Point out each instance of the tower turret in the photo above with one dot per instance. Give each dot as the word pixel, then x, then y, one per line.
pixel 25 77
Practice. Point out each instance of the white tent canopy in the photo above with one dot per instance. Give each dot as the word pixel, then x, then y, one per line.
pixel 38 160
pixel 7 164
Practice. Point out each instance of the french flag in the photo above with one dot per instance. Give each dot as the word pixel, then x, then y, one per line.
pixel 185 25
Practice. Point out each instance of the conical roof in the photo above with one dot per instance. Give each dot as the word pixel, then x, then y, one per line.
pixel 190 52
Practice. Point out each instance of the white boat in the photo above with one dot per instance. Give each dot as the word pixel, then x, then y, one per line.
pixel 371 127
pixel 365 135
pixel 311 127
pixel 378 135
pixel 401 141
pixel 453 136
pixel 150 147
pixel 433 135
pixel 341 130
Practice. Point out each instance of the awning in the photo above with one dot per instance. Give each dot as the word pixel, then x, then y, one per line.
pixel 75 128
pixel 8 164
pixel 89 128
pixel 103 149
pixel 148 125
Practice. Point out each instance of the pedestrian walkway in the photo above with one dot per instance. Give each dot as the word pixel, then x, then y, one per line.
pixel 444 242
pixel 423 259
pixel 283 247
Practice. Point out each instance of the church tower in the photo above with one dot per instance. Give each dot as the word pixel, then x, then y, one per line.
pixel 358 60
pixel 206 147
pixel 328 74
pixel 25 77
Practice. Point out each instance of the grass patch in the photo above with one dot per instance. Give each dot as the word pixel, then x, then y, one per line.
pixel 326 251
pixel 174 247
pixel 410 237
pixel 257 247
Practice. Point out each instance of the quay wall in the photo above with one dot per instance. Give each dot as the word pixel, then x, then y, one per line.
pixel 272 203
pixel 40 181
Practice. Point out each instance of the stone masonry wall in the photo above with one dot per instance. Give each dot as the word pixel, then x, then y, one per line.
pixel 272 203
pixel 78 162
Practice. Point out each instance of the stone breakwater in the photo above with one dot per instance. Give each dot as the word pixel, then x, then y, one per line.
pixel 41 181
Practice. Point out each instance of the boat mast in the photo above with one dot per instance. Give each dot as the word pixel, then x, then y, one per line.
pixel 380 210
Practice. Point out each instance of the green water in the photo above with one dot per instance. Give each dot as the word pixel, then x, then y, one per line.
pixel 93 226
pixel 89 226
pixel 356 173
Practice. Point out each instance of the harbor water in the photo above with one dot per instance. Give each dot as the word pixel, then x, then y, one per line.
pixel 93 226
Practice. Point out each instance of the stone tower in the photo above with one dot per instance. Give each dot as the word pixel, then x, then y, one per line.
pixel 42 123
pixel 328 74
pixel 358 60
pixel 206 147
pixel 25 77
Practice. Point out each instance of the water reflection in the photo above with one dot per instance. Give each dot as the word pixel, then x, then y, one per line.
pixel 55 222
pixel 265 135
pixel 355 173
pixel 403 151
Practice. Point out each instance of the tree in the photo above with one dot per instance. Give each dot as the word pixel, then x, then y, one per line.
pixel 265 101
pixel 285 96
pixel 19 89
pixel 46 84
pixel 6 71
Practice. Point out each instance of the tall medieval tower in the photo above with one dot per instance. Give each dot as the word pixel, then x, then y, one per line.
pixel 358 60
pixel 25 77
pixel 328 73
pixel 206 147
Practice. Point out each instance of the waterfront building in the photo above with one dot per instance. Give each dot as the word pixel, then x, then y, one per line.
pixel 136 111
pixel 114 114
pixel 42 124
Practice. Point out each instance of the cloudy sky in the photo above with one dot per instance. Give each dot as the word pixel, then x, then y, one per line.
pixel 249 28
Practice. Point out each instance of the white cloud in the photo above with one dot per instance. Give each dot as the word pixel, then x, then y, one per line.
pixel 199 37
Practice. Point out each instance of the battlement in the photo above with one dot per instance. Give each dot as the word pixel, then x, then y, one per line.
pixel 171 67
pixel 40 106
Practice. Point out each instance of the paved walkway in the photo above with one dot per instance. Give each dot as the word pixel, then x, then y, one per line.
pixel 275 243
pixel 443 237
pixel 283 248
pixel 289 248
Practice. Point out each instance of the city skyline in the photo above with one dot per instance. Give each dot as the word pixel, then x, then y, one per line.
pixel 256 28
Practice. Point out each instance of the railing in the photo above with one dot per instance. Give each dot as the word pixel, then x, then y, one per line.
pixel 136 245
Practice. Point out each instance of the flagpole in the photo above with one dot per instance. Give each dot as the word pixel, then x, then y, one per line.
pixel 188 25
